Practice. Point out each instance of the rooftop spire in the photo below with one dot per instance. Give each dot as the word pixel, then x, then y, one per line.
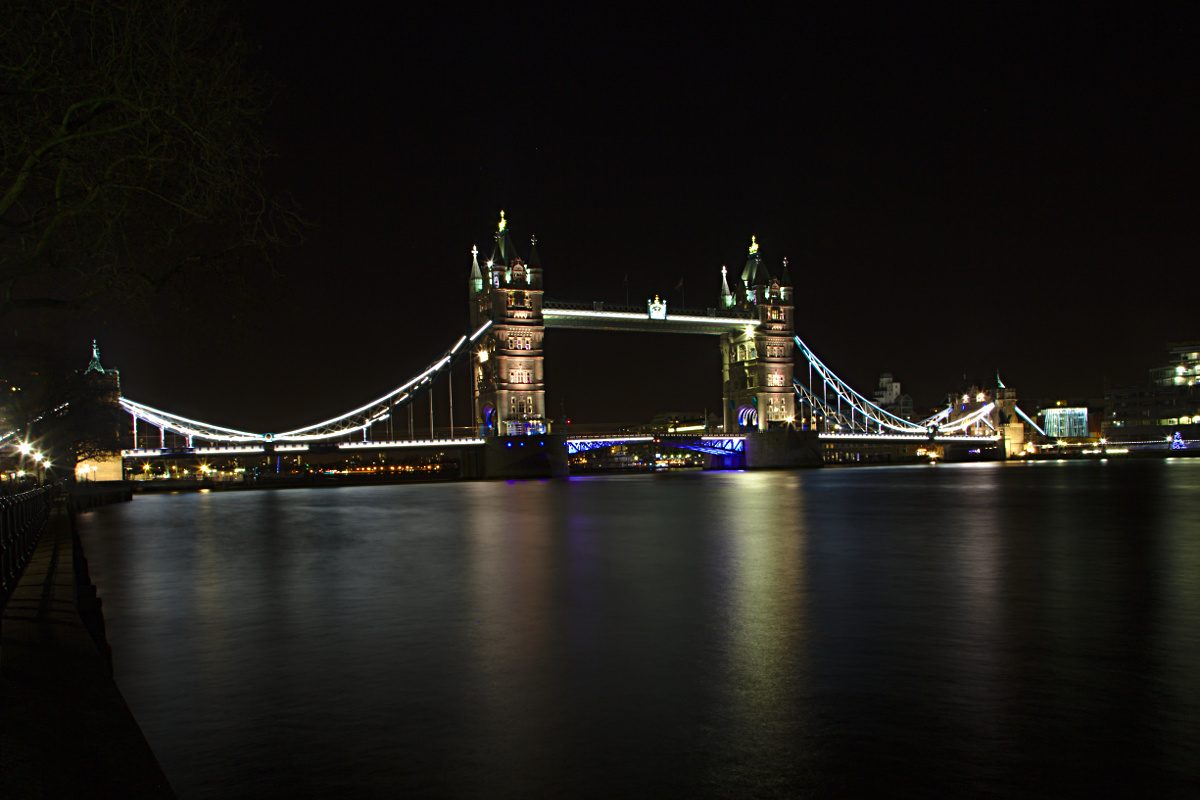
pixel 534 261
pixel 726 295
pixel 94 364
pixel 785 279
pixel 476 280
pixel 503 222
pixel 754 274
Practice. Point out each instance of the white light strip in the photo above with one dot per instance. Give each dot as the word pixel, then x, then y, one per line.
pixel 732 322
pixel 971 419
pixel 412 443
pixel 173 419
pixel 1025 417
pixel 199 451
pixel 900 437
pixel 483 328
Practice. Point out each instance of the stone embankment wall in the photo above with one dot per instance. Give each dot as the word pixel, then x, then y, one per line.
pixel 66 729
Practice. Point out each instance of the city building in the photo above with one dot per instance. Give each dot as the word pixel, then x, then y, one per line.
pixel 1065 423
pixel 889 397
pixel 1167 403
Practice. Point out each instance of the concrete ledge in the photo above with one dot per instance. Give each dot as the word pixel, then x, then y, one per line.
pixel 65 729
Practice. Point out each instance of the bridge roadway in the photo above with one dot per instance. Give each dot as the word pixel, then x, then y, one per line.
pixel 547 455
pixel 704 443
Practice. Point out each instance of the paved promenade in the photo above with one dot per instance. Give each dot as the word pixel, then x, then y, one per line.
pixel 65 731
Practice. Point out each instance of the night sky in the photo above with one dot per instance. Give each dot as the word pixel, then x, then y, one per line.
pixel 955 193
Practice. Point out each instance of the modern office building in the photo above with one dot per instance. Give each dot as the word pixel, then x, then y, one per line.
pixel 1168 402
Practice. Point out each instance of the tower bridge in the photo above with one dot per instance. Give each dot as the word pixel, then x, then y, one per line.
pixel 770 417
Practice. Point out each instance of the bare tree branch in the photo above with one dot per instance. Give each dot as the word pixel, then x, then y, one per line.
pixel 130 149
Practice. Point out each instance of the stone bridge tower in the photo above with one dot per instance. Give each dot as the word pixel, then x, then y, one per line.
pixel 758 368
pixel 506 365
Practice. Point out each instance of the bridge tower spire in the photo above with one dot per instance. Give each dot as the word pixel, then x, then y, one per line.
pixel 474 286
pixel 757 362
pixel 510 393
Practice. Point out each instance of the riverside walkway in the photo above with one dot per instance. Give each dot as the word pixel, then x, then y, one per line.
pixel 65 728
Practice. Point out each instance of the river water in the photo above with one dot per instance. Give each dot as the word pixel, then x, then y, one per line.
pixel 988 630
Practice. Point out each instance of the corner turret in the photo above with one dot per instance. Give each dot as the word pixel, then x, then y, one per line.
pixel 727 298
pixel 785 284
pixel 534 266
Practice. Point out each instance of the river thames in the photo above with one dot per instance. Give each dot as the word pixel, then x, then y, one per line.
pixel 988 630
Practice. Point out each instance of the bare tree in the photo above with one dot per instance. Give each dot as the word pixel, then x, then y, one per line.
pixel 131 147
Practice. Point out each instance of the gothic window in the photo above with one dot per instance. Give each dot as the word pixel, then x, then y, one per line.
pixel 775 313
pixel 741 352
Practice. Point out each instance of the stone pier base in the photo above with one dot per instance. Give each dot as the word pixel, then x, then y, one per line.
pixel 782 449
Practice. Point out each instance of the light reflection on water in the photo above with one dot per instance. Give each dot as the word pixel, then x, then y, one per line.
pixel 988 630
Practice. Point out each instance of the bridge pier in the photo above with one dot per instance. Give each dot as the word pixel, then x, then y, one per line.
pixel 782 448
pixel 542 456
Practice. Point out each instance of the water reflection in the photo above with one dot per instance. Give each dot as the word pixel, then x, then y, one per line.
pixel 999 630
pixel 759 582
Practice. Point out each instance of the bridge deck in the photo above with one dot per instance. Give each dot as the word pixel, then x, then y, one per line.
pixel 602 317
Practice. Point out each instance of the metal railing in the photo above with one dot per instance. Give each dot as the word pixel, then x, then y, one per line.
pixel 22 520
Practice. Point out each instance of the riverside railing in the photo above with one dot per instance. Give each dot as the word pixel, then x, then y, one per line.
pixel 22 520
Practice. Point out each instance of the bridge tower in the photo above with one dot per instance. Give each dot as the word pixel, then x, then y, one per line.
pixel 510 394
pixel 757 362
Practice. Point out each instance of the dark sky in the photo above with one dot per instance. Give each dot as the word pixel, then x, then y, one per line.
pixel 955 193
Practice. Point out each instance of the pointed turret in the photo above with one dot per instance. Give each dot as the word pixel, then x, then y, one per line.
pixel 727 299
pixel 502 252
pixel 535 265
pixel 498 263
pixel 785 283
pixel 475 283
